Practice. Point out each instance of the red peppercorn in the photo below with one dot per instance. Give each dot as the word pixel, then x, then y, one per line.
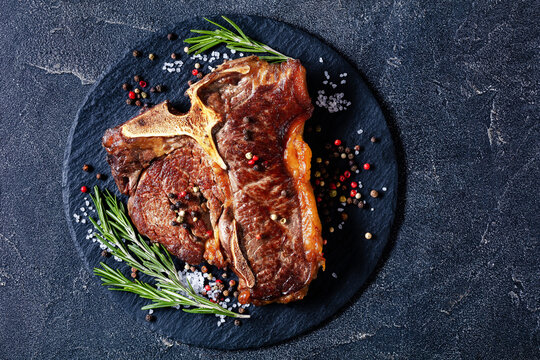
pixel 317 182
pixel 209 233
pixel 219 281
pixel 353 193
pixel 366 166
pixel 319 199
pixel 337 142
pixel 347 174
pixel 332 186
pixel 207 288
pixel 255 158
pixel 258 236
pixel 84 189
pixel 251 162
pixel 142 83
pixel 342 178
pixel 182 194
pixel 132 95
pixel 354 185
pixel 194 72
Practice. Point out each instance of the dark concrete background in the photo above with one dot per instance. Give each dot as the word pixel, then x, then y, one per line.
pixel 459 84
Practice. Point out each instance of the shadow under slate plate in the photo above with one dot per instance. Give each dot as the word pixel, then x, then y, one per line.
pixel 350 257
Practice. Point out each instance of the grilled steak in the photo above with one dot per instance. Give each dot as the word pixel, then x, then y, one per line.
pixel 229 180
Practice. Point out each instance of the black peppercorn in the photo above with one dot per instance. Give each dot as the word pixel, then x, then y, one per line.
pixel 347 150
pixel 199 75
pixel 350 156
pixel 130 101
pixel 152 89
pixel 256 167
pixel 149 318
pixel 126 86
pixel 172 196
pixel 185 226
pixel 172 36
pixel 237 322
pixel 172 207
pixel 175 223
pixel 100 176
pixel 340 148
pixel 178 204
pixel 137 78
pixel 105 253
pixel 373 139
pixel 193 213
pixel 354 168
pixel 241 310
pixel 136 53
pixel 173 56
pixel 138 103
pixel 187 197
pixel 246 120
pixel 361 204
pixel 87 167
pixel 160 88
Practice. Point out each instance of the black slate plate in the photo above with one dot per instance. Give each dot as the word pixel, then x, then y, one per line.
pixel 350 257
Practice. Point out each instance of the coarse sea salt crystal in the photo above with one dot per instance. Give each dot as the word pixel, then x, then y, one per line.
pixel 334 275
pixel 359 131
pixel 321 60
pixel 326 75
pixel 343 81
pixel 83 221
pixel 82 209
pixel 87 202
pixel 151 311
pixel 384 189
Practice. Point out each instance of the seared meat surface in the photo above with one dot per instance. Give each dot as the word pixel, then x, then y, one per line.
pixel 258 216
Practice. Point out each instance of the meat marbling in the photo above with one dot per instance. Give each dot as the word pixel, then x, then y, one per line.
pixel 244 106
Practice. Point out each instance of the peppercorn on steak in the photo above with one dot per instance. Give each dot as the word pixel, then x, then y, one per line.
pixel 228 182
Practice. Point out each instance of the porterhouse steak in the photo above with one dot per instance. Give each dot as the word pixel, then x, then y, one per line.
pixel 228 182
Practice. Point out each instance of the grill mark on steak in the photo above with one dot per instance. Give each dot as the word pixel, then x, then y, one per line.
pixel 274 261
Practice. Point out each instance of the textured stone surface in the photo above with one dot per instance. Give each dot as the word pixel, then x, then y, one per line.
pixel 459 85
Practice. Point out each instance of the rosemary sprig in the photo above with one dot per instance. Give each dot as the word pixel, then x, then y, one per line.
pixel 238 41
pixel 119 235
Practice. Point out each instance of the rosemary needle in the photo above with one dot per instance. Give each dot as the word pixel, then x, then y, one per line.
pixel 119 235
pixel 237 41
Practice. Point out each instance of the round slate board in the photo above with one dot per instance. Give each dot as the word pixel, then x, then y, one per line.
pixel 350 257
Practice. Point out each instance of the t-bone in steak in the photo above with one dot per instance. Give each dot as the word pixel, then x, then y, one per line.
pixel 228 182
